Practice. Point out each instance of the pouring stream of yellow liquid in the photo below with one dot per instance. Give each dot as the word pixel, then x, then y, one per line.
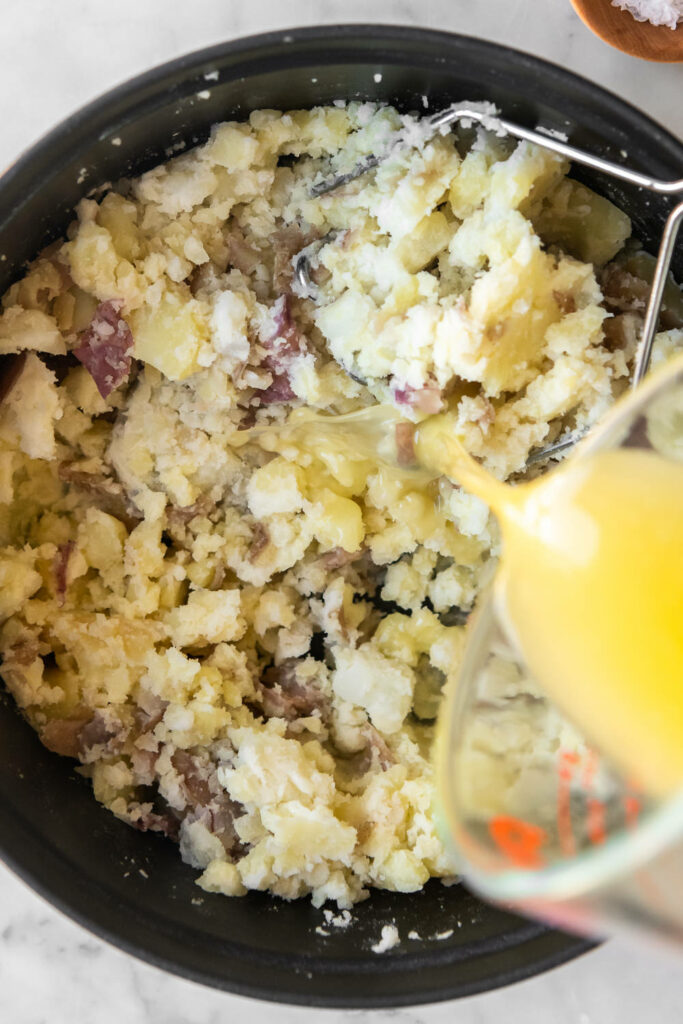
pixel 590 587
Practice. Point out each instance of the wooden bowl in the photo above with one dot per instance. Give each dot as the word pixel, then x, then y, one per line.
pixel 637 38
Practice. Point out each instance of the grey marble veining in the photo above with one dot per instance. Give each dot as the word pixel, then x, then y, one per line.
pixel 55 55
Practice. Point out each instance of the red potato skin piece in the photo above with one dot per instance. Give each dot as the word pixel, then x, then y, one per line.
pixel 217 810
pixel 197 788
pixel 61 567
pixel 181 515
pixel 63 735
pixel 428 399
pixel 240 254
pixel 375 751
pixel 278 392
pixel 260 541
pixel 106 492
pixel 281 349
pixel 378 747
pixel 105 347
pixel 283 696
pixel 405 444
pixel 222 814
pixel 337 558
pixel 150 821
pixel 73 736
pixel 248 419
pixel 96 732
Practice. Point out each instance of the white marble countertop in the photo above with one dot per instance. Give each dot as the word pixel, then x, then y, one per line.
pixel 55 56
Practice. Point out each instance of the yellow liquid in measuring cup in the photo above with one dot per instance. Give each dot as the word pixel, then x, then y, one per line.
pixel 591 587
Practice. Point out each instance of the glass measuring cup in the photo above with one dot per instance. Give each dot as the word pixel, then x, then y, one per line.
pixel 539 818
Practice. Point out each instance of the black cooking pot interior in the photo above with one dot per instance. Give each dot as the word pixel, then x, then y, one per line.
pixel 132 888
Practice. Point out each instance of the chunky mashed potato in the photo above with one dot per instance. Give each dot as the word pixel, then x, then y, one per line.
pixel 243 637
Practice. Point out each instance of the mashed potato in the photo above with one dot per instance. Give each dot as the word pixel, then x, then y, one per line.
pixel 243 638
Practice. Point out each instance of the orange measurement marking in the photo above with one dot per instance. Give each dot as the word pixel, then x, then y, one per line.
pixel 632 809
pixel 519 840
pixel 596 821
pixel 568 760
pixel 590 769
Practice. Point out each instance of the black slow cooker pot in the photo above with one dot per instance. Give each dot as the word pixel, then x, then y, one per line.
pixel 132 888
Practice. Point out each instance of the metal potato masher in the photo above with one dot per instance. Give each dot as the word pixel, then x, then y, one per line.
pixel 439 123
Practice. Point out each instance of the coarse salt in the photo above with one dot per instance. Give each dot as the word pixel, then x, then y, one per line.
pixel 657 12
